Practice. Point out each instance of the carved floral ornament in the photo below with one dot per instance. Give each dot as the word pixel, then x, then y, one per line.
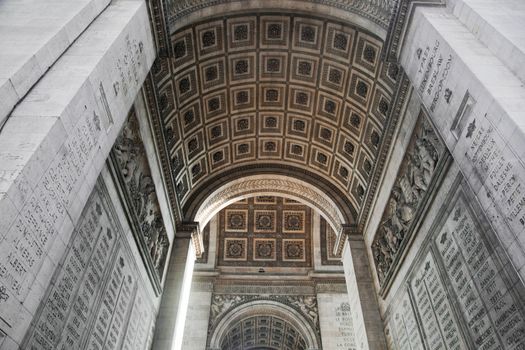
pixel 275 185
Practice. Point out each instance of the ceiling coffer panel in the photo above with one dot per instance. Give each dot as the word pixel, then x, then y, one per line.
pixel 291 90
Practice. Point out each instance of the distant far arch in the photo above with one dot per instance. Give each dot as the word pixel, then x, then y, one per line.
pixel 275 312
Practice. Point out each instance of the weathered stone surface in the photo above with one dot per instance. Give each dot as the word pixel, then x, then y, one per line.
pixel 34 34
pixel 366 320
pixel 54 146
pixel 335 320
pixel 487 138
pixel 97 294
pixel 140 195
pixel 196 328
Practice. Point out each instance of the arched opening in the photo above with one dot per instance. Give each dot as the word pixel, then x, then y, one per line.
pixel 295 104
pixel 263 324
pixel 260 185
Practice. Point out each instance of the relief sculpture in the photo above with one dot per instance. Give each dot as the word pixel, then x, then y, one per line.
pixel 422 160
pixel 134 175
pixel 222 304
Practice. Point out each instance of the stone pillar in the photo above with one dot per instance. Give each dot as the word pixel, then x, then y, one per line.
pixel 335 317
pixel 361 292
pixel 169 328
pixel 196 328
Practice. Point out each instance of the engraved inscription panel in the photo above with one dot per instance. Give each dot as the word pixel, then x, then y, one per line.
pixel 403 329
pixel 24 246
pixel 462 290
pixel 438 322
pixel 490 310
pixel 346 338
pixel 501 173
pixel 434 68
pixel 96 289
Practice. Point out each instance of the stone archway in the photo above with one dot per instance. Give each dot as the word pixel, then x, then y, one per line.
pixel 277 313
pixel 270 185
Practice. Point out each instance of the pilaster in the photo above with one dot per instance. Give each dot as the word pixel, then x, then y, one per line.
pixel 174 304
pixel 362 294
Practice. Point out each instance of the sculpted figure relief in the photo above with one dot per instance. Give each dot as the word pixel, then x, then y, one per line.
pixel 307 305
pixel 223 303
pixel 412 183
pixel 132 163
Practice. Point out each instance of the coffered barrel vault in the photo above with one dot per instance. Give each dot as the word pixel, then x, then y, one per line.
pixel 262 174
pixel 295 92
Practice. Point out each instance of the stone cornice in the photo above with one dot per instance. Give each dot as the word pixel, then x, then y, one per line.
pixel 191 230
pixel 378 12
pixel 350 232
pixel 399 21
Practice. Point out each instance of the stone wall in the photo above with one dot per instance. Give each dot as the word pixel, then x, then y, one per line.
pixel 34 35
pixel 335 321
pixel 54 145
pixel 100 296
pixel 460 291
pixel 323 306
pixel 459 284
pixel 475 101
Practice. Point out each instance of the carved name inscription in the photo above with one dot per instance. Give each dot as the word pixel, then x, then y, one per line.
pixel 346 338
pixel 434 67
pixel 26 244
pixel 432 304
pixel 128 66
pixel 500 170
pixel 95 290
pixel 404 328
pixel 491 312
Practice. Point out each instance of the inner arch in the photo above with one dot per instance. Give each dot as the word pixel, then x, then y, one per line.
pixel 272 311
pixel 266 185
